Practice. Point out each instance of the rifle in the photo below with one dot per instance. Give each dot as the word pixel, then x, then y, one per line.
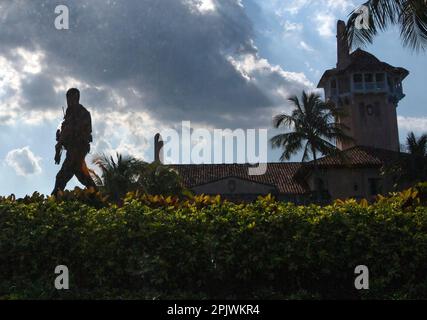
pixel 58 146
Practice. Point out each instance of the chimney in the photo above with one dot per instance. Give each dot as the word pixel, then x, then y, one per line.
pixel 343 48
pixel 158 148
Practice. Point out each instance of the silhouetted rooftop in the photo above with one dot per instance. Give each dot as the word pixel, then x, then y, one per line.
pixel 286 177
pixel 362 61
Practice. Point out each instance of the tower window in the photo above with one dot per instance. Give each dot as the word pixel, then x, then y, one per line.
pixel 334 87
pixel 380 81
pixel 344 85
pixel 379 77
pixel 358 81
pixel 369 81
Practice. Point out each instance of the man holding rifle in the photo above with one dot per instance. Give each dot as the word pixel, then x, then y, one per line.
pixel 75 137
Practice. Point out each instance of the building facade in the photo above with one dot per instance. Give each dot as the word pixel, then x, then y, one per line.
pixel 368 91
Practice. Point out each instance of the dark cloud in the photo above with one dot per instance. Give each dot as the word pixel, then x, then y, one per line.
pixel 5 119
pixel 38 92
pixel 161 56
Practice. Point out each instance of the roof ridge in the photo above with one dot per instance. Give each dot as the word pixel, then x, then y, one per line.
pixel 231 164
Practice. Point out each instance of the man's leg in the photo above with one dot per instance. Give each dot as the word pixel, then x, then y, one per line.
pixel 64 175
pixel 83 175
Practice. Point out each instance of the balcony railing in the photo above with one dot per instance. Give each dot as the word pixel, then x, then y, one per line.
pixel 369 87
pixel 358 86
pixel 381 86
pixel 366 87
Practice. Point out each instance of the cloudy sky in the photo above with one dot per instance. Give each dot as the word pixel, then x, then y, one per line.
pixel 146 65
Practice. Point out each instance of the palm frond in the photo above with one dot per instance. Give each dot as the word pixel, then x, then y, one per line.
pixel 413 24
pixel 283 119
pixel 410 15
pixel 416 146
pixel 314 128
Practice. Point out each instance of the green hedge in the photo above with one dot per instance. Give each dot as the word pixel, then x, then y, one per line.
pixel 206 248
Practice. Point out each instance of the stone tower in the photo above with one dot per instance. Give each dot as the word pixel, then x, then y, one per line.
pixel 368 91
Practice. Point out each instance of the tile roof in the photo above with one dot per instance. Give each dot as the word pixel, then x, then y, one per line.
pixel 359 156
pixel 287 177
pixel 279 175
pixel 360 61
pixel 364 61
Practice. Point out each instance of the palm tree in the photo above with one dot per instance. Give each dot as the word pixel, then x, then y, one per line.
pixel 415 166
pixel 417 147
pixel 117 176
pixel 158 179
pixel 410 167
pixel 127 174
pixel 409 15
pixel 314 128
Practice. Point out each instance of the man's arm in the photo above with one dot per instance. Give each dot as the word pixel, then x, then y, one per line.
pixel 86 127
pixel 66 128
pixel 61 136
pixel 89 127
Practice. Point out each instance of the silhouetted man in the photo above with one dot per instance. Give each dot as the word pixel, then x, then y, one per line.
pixel 75 136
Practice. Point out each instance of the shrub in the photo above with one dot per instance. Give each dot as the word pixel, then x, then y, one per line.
pixel 157 247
